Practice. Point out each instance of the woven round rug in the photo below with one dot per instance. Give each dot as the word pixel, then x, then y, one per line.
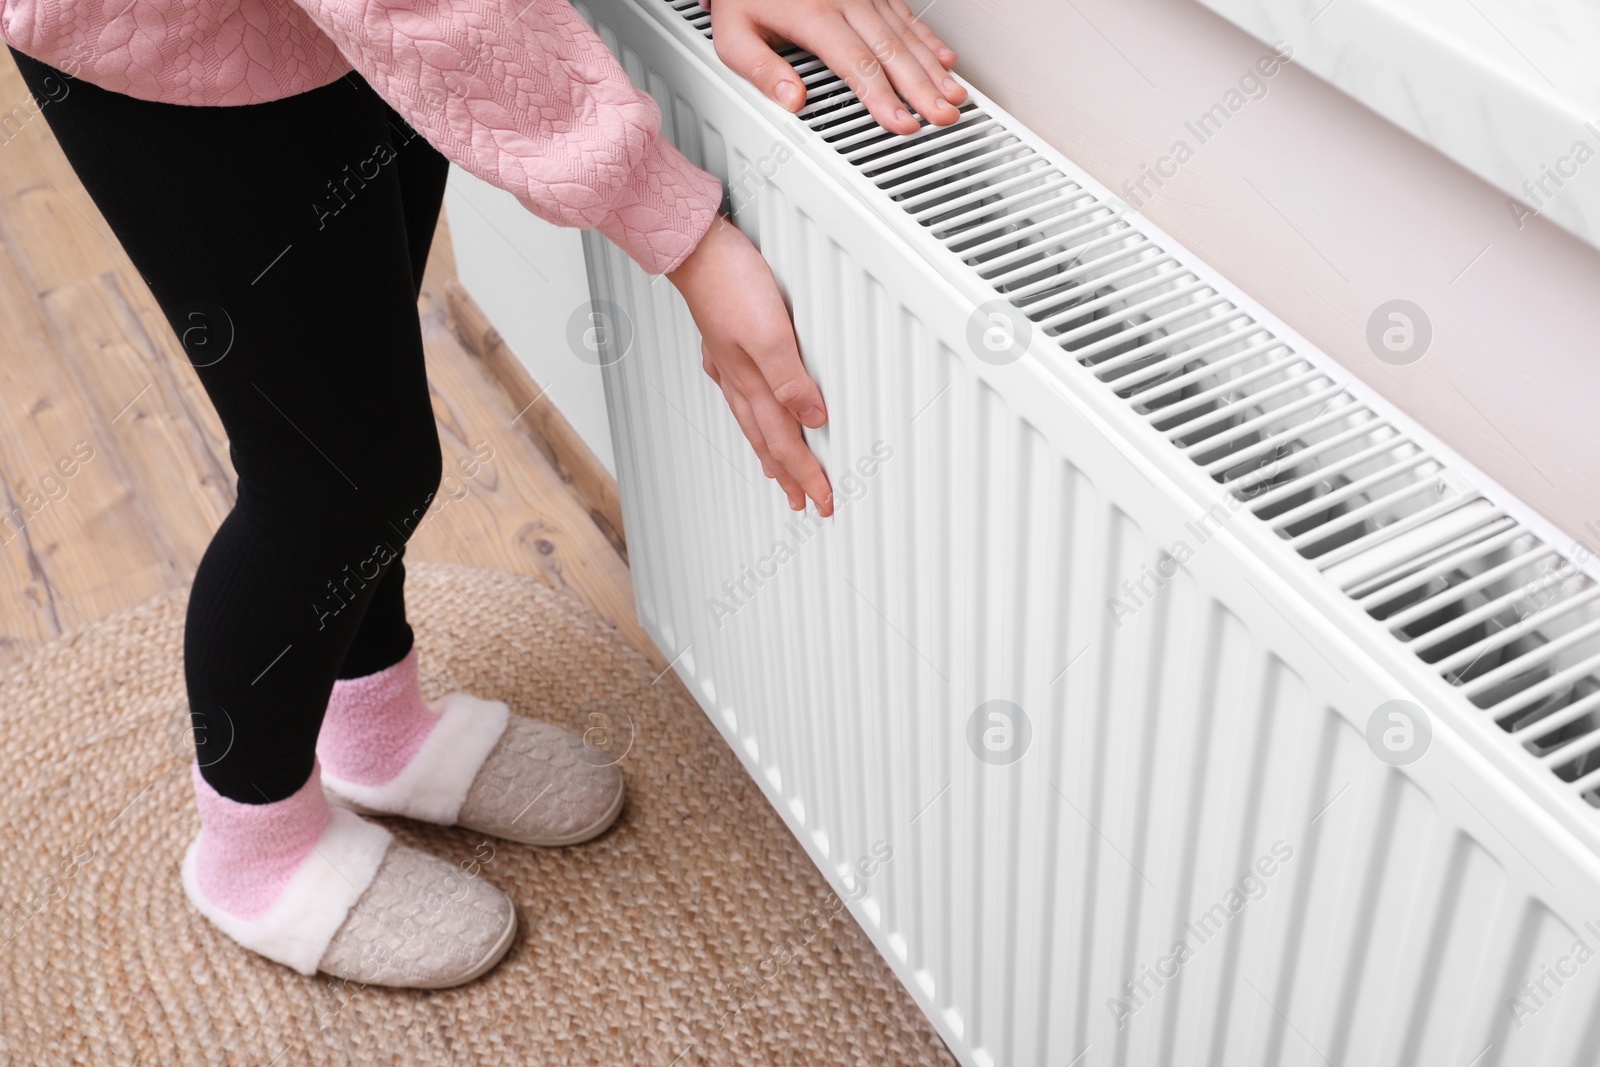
pixel 681 936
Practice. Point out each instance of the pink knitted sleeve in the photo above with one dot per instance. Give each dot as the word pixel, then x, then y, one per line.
pixel 523 94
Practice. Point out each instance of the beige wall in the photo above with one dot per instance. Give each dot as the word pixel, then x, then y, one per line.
pixel 1322 211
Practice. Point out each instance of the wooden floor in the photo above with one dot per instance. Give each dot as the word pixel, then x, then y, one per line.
pixel 88 362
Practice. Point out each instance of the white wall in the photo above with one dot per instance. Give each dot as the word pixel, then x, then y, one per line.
pixel 528 276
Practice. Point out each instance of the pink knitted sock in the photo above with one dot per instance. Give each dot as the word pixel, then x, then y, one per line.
pixel 375 724
pixel 246 853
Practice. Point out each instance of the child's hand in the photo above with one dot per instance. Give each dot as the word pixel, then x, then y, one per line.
pixel 751 353
pixel 860 40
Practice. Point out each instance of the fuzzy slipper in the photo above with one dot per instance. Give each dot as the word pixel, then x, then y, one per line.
pixel 461 761
pixel 315 887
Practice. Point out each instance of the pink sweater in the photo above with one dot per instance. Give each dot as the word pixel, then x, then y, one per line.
pixel 521 93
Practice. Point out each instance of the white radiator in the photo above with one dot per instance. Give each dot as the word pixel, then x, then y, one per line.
pixel 1095 669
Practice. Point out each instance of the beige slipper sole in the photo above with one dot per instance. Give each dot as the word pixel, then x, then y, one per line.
pixel 577 837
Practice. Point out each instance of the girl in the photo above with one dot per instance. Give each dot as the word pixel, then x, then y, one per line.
pixel 275 172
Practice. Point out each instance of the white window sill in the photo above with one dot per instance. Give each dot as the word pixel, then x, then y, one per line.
pixel 1510 89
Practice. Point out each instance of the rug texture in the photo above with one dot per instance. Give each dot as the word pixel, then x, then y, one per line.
pixel 696 931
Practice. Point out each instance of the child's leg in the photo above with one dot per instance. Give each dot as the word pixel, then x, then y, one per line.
pixel 274 238
pixel 463 761
pixel 384 637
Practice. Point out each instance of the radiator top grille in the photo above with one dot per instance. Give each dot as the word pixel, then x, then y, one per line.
pixel 1509 622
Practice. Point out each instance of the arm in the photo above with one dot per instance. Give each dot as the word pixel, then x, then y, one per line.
pixel 748 348
pixel 531 100
pixel 527 97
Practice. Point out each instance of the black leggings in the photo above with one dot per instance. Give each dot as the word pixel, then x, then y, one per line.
pixel 285 242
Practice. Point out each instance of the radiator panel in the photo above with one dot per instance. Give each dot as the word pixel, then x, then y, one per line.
pixel 990 516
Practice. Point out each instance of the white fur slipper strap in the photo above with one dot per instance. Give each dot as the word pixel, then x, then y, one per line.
pixel 296 930
pixel 434 784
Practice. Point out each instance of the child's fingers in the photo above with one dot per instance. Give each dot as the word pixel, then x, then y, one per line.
pixel 743 49
pixel 744 413
pixel 788 449
pixel 900 55
pixel 948 89
pixel 781 371
pixel 926 47
pixel 839 44
pixel 945 54
pixel 791 489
